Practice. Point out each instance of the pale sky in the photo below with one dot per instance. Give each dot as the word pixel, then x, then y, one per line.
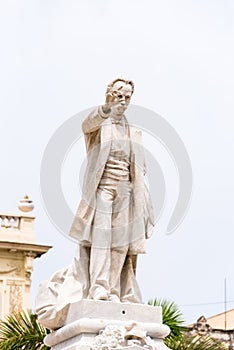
pixel 56 58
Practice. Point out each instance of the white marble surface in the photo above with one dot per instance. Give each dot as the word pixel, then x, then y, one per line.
pixel 109 310
pixel 87 319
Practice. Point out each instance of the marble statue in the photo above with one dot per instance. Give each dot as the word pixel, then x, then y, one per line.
pixel 112 222
pixel 115 215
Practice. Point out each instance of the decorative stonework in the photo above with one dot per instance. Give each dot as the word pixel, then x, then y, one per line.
pixel 111 337
pixel 119 337
pixel 10 269
pixel 98 325
pixel 26 204
pixel 28 264
pixel 16 298
pixel 202 328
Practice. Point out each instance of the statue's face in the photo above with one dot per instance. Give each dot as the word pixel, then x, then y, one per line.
pixel 122 95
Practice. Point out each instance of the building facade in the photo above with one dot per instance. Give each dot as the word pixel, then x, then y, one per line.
pixel 220 327
pixel 17 253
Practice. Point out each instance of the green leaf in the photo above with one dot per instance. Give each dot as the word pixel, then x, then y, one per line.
pixel 188 342
pixel 179 338
pixel 21 331
pixel 171 316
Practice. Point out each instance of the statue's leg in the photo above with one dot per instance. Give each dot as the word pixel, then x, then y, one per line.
pixel 123 284
pixel 130 291
pixel 134 263
pixel 100 249
pixel 118 256
pixel 82 268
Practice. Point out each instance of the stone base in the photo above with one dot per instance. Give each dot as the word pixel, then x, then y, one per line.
pixel 103 325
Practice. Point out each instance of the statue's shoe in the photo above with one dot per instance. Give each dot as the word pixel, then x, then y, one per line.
pixel 114 298
pixel 100 296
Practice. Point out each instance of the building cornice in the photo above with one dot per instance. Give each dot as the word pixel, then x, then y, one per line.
pixel 14 247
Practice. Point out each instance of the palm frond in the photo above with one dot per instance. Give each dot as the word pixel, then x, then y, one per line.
pixel 22 331
pixel 171 316
pixel 188 342
pixel 179 339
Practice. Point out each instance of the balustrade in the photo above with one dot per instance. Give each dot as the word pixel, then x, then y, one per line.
pixel 9 221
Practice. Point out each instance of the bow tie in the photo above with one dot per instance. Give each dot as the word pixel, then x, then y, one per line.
pixel 116 121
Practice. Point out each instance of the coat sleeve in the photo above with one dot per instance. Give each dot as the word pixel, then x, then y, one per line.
pixel 94 120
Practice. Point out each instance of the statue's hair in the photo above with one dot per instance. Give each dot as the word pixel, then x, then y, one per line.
pixel 110 86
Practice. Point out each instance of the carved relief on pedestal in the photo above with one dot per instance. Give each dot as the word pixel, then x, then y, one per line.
pixel 16 297
pixel 120 337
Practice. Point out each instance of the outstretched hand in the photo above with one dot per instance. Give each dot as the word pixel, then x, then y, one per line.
pixel 111 101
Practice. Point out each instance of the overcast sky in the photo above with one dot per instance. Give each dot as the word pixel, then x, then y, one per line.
pixel 56 58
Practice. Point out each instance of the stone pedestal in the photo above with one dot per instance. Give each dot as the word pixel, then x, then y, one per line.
pixel 103 325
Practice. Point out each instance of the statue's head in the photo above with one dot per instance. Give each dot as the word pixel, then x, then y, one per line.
pixel 121 91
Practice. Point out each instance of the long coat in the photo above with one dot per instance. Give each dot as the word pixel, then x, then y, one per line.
pixel 98 134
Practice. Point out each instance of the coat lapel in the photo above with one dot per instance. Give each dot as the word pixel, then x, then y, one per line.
pixel 137 154
pixel 106 135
